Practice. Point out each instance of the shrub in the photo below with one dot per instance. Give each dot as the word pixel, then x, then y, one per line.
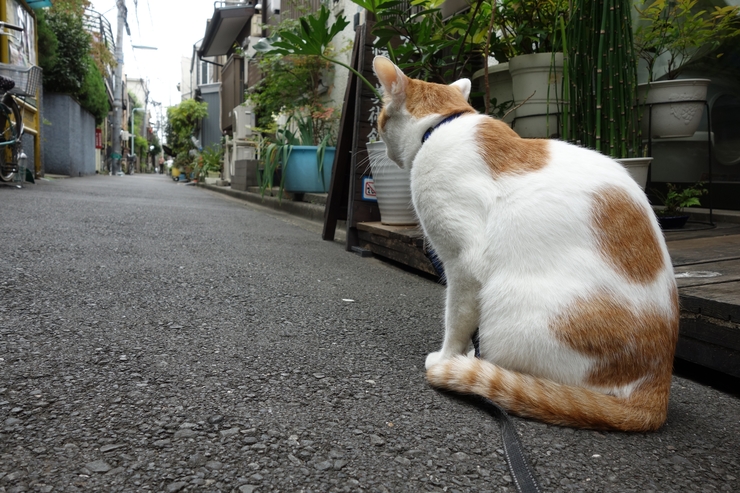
pixel 182 121
pixel 67 70
pixel 92 94
pixel 65 57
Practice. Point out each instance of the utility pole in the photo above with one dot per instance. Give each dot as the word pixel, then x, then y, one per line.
pixel 144 122
pixel 118 89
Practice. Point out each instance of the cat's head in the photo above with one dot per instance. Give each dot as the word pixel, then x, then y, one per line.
pixel 411 107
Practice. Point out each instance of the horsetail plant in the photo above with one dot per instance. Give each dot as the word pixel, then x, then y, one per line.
pixel 602 72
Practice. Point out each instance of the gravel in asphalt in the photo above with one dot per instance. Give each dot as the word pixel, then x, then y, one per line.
pixel 162 337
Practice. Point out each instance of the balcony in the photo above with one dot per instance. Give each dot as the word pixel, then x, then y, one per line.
pixel 230 22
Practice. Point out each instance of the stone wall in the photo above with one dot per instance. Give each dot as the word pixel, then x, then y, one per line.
pixel 68 142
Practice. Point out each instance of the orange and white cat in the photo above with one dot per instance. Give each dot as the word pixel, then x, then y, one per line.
pixel 550 249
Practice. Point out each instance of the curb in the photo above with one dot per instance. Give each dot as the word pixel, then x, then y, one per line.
pixel 308 210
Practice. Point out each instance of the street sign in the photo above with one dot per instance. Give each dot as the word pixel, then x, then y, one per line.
pixel 368 189
pixel 115 155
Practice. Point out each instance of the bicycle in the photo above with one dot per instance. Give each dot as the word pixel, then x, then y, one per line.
pixel 15 82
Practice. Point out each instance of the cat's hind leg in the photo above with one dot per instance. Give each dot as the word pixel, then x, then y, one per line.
pixel 462 313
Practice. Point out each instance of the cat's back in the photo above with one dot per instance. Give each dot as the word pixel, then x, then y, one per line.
pixel 481 157
pixel 509 156
pixel 540 202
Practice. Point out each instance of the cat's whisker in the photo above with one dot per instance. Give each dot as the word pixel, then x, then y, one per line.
pixel 365 161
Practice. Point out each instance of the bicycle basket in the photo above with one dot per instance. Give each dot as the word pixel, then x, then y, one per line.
pixel 27 79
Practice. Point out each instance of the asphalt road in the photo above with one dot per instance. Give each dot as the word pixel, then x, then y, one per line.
pixel 162 337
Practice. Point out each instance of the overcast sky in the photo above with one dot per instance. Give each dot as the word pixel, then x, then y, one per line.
pixel 172 26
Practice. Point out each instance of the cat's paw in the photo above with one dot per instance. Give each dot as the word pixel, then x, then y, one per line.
pixel 433 359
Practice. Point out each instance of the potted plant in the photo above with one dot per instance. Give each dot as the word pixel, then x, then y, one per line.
pixel 426 41
pixel 299 151
pixel 672 216
pixel 431 48
pixel 208 164
pixel 392 187
pixel 601 81
pixel 670 34
pixel 310 37
pixel 302 151
pixel 529 42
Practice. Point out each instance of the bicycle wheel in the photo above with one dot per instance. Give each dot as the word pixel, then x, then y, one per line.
pixel 11 129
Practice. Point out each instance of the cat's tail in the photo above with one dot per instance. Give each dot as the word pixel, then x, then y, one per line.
pixel 551 402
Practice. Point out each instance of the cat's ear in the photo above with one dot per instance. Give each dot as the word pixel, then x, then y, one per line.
pixel 463 85
pixel 391 77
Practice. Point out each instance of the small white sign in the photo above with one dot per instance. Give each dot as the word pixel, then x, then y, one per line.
pixel 368 189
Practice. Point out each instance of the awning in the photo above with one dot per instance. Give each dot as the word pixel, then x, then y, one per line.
pixel 38 4
pixel 224 29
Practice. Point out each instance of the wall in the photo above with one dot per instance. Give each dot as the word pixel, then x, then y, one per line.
pixel 186 76
pixel 68 143
pixel 343 49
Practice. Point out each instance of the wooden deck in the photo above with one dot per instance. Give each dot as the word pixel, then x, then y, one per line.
pixel 707 266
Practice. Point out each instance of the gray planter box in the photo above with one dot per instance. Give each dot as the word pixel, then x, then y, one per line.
pixel 68 143
pixel 245 174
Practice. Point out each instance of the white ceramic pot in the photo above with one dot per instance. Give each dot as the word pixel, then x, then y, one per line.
pixel 392 187
pixel 499 85
pixel 637 168
pixel 670 117
pixel 538 77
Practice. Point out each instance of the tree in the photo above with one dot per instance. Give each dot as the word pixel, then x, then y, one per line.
pixel 182 122
pixel 289 83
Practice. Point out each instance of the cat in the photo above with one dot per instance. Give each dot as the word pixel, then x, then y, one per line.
pixel 551 250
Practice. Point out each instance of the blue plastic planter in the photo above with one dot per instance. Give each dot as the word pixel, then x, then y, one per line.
pixel 302 173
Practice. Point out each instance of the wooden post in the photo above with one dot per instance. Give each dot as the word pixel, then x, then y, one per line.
pixel 358 126
pixel 338 200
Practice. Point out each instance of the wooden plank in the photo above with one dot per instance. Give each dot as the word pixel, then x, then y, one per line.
pixel 714 356
pixel 709 273
pixel 398 244
pixel 703 250
pixel 411 234
pixel 711 330
pixel 721 301
pixel 691 231
pixel 412 257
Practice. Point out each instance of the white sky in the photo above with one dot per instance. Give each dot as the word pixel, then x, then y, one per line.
pixel 172 26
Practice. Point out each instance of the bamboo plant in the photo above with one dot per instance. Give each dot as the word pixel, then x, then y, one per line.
pixel 601 68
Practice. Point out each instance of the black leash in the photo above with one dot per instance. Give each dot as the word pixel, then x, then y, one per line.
pixel 521 472
pixel 519 467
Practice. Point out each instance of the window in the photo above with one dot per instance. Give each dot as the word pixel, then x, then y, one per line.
pixel 204 73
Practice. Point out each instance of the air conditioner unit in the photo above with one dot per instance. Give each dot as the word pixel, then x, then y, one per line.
pixel 243 116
